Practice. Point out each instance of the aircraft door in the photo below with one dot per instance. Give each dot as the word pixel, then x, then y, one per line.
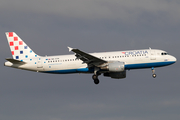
pixel 153 55
pixel 39 63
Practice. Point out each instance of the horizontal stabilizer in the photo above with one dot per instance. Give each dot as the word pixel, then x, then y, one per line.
pixel 14 61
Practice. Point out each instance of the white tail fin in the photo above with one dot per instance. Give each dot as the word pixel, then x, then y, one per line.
pixel 18 47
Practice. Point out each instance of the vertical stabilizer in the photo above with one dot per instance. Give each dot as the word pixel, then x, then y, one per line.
pixel 18 47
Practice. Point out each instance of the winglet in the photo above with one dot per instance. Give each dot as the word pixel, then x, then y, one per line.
pixel 70 49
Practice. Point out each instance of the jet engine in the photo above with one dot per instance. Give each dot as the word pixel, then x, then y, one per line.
pixel 116 69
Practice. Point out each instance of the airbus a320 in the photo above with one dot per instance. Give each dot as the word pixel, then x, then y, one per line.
pixel 110 64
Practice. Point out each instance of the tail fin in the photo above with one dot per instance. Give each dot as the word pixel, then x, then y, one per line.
pixel 18 47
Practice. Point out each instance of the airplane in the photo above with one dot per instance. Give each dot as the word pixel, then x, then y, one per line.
pixel 110 64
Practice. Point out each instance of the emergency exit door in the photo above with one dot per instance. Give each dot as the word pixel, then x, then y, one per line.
pixel 39 63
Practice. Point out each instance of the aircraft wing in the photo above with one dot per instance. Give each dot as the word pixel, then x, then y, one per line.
pixel 87 58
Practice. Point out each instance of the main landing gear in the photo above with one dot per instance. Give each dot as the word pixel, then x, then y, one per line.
pixel 95 76
pixel 153 71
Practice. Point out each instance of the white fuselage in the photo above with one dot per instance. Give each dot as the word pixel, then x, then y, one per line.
pixel 63 64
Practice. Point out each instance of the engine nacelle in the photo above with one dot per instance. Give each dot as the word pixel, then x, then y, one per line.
pixel 114 66
pixel 116 75
pixel 116 69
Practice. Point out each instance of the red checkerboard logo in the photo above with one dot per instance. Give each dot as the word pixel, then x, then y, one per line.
pixel 15 38
pixel 20 42
pixel 10 34
pixel 12 52
pixel 16 47
pixel 11 43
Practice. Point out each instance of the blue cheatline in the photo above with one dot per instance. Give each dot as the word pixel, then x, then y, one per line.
pixel 80 70
pixel 127 66
pixel 148 65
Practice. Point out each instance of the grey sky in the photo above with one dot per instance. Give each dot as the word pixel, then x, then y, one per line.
pixel 48 27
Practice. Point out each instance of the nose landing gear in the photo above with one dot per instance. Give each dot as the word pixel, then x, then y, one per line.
pixel 153 71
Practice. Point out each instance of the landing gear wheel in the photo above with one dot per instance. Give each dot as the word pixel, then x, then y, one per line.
pixel 96 81
pixel 153 71
pixel 94 77
pixel 154 75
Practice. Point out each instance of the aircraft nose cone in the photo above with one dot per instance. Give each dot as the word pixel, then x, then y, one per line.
pixel 174 59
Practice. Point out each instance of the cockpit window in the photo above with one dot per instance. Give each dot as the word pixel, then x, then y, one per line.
pixel 164 53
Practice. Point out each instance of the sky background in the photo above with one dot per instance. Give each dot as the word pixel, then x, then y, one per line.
pixel 49 26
